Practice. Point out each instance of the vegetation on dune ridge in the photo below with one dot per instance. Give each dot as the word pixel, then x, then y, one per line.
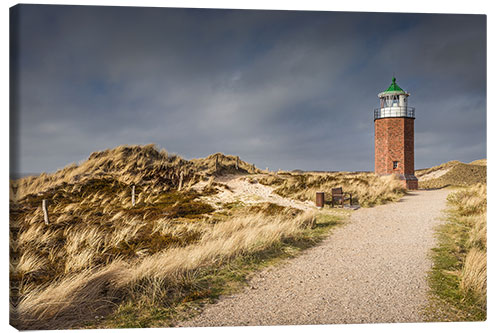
pixel 100 255
pixel 446 165
pixel 367 188
pixel 140 165
pixel 479 162
pixel 98 251
pixel 458 276
pixel 453 173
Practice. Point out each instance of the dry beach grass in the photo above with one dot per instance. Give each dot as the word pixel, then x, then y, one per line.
pixel 458 276
pixel 371 270
pixel 367 188
pixel 453 173
pixel 154 278
pixel 459 273
pixel 197 230
pixel 98 251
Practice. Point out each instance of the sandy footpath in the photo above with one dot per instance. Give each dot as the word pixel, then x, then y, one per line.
pixel 240 189
pixel 373 269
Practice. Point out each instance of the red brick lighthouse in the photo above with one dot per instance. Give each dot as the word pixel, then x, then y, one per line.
pixel 394 136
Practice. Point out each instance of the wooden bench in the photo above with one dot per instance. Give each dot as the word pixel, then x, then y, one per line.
pixel 339 195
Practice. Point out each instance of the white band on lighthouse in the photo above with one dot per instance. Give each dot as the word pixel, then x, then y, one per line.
pixel 394 111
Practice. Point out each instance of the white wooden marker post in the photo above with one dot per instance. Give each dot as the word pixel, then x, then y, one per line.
pixel 45 212
pixel 181 180
pixel 133 195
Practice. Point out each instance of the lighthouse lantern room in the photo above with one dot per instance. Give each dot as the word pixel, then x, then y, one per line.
pixel 394 136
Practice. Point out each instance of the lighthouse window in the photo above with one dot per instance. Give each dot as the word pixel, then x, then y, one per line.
pixel 395 164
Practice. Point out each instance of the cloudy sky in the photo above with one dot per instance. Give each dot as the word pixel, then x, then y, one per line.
pixel 281 89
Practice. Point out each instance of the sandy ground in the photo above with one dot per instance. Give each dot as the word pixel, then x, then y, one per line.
pixel 371 270
pixel 240 189
pixel 434 174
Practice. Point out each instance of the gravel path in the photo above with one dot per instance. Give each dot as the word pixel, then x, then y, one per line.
pixel 371 270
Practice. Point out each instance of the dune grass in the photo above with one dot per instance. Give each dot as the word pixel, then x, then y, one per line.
pixel 154 262
pixel 366 188
pixel 458 276
pixel 219 278
pixel 165 279
pixel 455 173
pixel 94 231
pixel 145 166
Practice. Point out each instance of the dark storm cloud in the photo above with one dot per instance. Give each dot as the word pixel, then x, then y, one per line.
pixel 282 89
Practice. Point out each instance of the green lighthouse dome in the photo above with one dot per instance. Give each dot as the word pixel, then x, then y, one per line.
pixel 394 87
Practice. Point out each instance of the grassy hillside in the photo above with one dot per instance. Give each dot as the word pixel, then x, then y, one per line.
pixel 366 188
pixel 147 264
pixel 99 253
pixel 144 166
pixel 453 173
pixel 458 276
pixel 479 162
